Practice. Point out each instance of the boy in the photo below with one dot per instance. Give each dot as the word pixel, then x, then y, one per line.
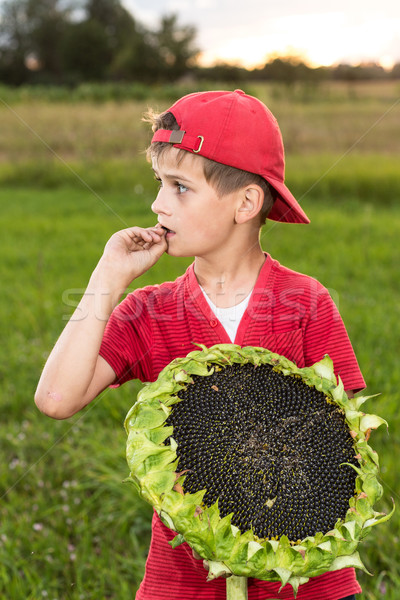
pixel 219 159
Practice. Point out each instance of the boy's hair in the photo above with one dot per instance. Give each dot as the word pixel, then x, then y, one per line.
pixel 223 178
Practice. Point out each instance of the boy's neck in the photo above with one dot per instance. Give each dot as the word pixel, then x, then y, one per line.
pixel 228 280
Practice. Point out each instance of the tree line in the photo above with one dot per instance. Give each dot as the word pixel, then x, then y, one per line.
pixel 72 41
pixel 61 41
pixel 289 70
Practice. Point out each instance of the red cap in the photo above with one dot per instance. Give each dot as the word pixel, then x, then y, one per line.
pixel 237 130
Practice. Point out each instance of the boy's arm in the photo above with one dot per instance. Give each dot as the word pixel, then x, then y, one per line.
pixel 74 373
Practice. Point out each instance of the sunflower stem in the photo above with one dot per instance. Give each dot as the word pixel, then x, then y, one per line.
pixel 236 588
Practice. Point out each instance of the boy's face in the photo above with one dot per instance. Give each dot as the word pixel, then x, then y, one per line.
pixel 200 222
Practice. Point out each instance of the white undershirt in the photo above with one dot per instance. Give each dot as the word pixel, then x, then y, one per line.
pixel 229 317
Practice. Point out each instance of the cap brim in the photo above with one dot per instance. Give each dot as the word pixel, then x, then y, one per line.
pixel 285 209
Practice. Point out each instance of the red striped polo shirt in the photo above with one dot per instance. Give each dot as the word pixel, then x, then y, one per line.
pixel 288 313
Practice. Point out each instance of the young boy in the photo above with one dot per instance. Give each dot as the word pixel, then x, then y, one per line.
pixel 219 159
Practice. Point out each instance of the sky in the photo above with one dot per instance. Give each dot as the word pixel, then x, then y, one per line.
pixel 249 32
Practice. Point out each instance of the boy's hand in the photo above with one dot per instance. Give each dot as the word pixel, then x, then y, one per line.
pixel 129 253
pixel 74 373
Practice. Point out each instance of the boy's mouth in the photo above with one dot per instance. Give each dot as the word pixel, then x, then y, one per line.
pixel 167 230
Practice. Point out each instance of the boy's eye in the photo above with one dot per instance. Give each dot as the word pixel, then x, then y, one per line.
pixel 181 188
pixel 158 181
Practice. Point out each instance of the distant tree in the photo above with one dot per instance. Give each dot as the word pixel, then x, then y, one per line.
pixel 287 70
pixel 360 72
pixel 86 51
pixel 52 41
pixel 14 41
pixel 105 11
pixel 118 23
pixel 96 48
pixel 161 55
pixel 31 31
pixel 176 46
pixel 48 21
pixel 395 72
pixel 138 60
pixel 222 72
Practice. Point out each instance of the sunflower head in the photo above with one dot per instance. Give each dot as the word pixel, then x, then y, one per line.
pixel 263 468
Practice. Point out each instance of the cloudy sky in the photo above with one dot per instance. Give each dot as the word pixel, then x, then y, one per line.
pixel 249 31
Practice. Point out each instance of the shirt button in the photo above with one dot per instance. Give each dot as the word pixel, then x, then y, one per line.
pixel 213 323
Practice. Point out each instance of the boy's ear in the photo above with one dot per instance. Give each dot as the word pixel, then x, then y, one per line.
pixel 251 201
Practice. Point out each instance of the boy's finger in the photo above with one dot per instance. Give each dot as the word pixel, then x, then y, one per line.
pixel 159 231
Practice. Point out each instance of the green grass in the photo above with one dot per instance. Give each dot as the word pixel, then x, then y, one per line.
pixel 70 528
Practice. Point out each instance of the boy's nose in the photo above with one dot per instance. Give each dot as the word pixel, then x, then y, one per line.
pixel 160 205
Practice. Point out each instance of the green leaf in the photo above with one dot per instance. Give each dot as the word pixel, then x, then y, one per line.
pixel 371 422
pixel 139 448
pixel 358 401
pixel 159 435
pixel 379 517
pixel 224 538
pixel 338 392
pixel 296 582
pixel 177 541
pixel 364 508
pixel 350 532
pixel 366 452
pixel 133 482
pixel 324 368
pixel 147 416
pixel 157 483
pixel 166 519
pixel 259 559
pixel 202 540
pixel 252 548
pixel 343 562
pixel 195 367
pixel 372 488
pixel 171 502
pixel 217 569
pixel 284 575
pixel 164 386
pixel 319 560
pixel 326 546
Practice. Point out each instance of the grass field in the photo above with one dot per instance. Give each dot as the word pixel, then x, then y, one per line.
pixel 70 176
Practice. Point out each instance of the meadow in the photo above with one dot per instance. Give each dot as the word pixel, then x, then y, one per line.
pixel 72 173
